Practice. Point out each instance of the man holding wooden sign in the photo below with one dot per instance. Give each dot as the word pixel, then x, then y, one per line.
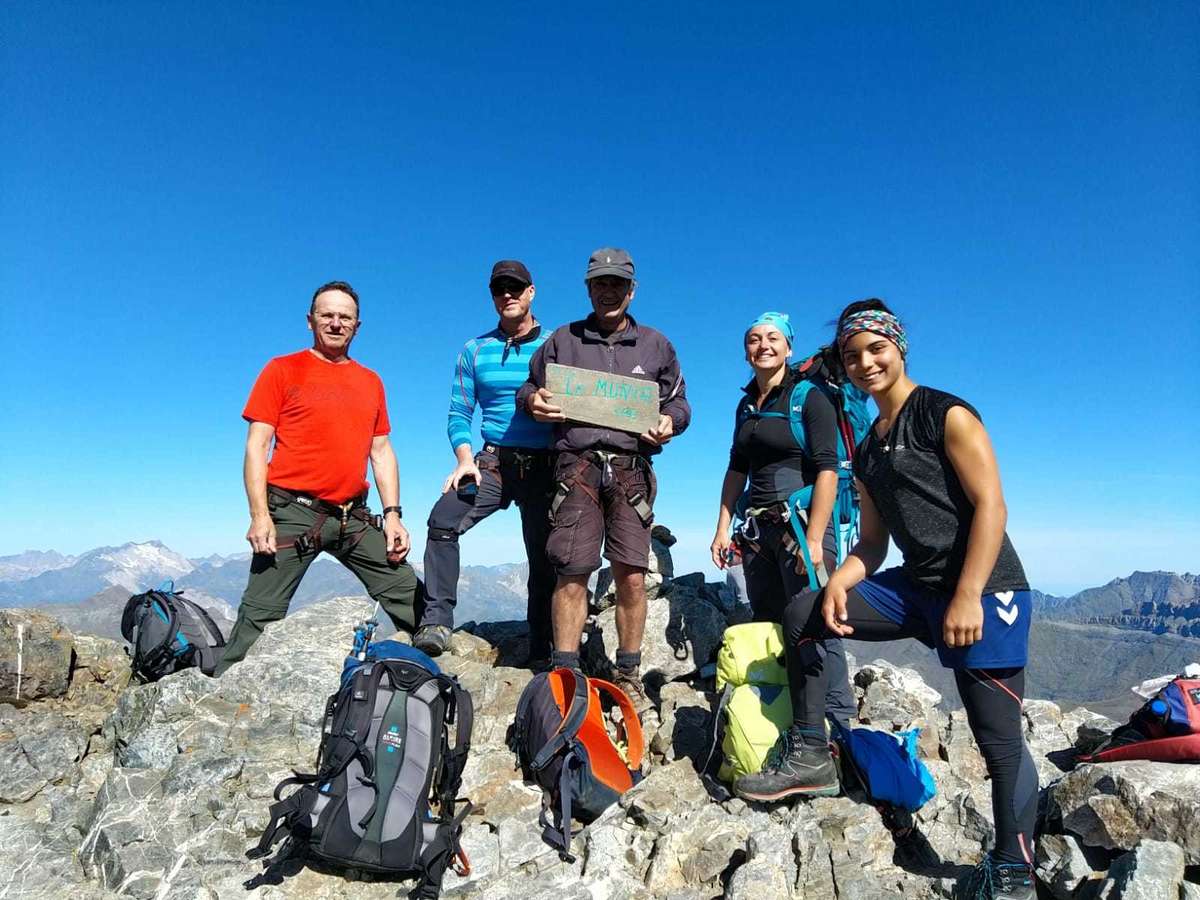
pixel 613 389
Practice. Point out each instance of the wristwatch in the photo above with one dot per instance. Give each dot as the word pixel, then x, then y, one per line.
pixel 396 509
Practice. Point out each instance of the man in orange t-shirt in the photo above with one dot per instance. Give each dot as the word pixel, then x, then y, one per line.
pixel 325 416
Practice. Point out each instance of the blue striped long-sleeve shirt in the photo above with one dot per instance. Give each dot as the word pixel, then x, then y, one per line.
pixel 490 369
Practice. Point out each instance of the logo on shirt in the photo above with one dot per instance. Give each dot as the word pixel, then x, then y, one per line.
pixel 1006 610
pixel 638 370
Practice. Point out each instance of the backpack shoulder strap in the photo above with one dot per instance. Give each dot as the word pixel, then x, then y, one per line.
pixel 147 665
pixel 342 749
pixel 796 412
pixel 572 720
pixel 460 712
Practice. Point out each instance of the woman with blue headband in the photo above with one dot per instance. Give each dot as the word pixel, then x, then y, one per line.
pixel 766 451
pixel 927 478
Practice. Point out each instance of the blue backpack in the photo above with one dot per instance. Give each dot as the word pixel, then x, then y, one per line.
pixel 854 421
pixel 887 765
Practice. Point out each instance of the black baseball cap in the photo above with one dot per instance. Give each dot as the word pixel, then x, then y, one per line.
pixel 511 268
pixel 610 261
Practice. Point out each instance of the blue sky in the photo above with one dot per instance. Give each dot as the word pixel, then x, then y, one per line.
pixel 175 179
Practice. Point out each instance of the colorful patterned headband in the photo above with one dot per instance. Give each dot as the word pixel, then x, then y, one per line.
pixel 876 321
pixel 777 320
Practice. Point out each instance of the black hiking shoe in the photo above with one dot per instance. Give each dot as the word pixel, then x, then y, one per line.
pixel 432 640
pixel 991 880
pixel 792 769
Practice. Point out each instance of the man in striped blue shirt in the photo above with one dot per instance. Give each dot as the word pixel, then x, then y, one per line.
pixel 515 464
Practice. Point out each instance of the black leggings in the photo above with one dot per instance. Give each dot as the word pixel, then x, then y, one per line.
pixel 992 698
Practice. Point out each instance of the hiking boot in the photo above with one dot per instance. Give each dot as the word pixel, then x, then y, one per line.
pixel 630 681
pixel 991 880
pixel 792 768
pixel 432 640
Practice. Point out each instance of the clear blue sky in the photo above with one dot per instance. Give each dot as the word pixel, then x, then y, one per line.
pixel 1020 183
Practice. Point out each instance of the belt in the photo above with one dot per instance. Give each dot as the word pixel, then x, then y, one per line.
pixel 520 454
pixel 620 459
pixel 316 503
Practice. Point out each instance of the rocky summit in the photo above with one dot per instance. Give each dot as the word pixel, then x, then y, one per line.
pixel 156 791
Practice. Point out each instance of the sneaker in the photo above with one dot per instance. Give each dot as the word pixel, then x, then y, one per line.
pixel 792 768
pixel 630 681
pixel 991 880
pixel 432 639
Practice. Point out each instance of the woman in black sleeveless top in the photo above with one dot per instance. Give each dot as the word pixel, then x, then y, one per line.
pixel 766 452
pixel 927 478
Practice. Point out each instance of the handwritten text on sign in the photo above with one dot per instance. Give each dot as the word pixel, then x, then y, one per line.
pixel 602 398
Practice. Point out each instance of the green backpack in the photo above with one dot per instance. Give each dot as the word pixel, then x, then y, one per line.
pixel 755 700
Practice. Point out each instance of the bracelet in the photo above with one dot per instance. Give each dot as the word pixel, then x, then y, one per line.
pixel 396 509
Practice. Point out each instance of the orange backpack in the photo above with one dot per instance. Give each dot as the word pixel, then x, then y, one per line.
pixel 560 738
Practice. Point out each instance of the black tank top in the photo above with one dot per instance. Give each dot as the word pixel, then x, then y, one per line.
pixel 914 486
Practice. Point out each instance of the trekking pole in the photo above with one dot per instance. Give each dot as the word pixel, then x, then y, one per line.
pixel 20 657
pixel 364 632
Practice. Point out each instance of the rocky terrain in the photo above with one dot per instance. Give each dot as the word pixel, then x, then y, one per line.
pixel 156 791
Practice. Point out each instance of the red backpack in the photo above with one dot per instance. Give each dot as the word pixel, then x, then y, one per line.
pixel 1166 729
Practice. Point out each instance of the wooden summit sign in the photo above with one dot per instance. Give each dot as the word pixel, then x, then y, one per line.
pixel 602 398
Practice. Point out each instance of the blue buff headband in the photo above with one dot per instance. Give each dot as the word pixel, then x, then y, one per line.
pixel 777 320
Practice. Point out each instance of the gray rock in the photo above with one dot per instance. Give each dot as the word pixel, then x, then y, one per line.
pixel 37 748
pixel 683 633
pixel 1189 891
pixel 1061 865
pixel 1153 871
pixel 685 728
pixel 161 798
pixel 668 791
pixel 44 651
pixel 1116 805
pixel 770 867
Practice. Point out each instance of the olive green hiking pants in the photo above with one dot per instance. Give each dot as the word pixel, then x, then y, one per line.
pixel 274 578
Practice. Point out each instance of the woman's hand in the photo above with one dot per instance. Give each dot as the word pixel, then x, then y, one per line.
pixel 815 552
pixel 963 624
pixel 719 548
pixel 833 609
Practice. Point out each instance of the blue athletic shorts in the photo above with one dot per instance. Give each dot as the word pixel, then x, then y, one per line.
pixel 1006 617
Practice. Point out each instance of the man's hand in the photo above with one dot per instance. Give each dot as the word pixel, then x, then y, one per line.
pixel 262 535
pixel 660 433
pixel 395 536
pixel 720 549
pixel 464 471
pixel 542 409
pixel 833 609
pixel 963 624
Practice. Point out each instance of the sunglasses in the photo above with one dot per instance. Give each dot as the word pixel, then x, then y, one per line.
pixel 503 286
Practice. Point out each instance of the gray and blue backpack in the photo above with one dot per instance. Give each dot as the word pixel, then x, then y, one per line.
pixel 383 798
pixel 166 632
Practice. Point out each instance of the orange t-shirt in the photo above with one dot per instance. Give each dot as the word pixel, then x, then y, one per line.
pixel 325 416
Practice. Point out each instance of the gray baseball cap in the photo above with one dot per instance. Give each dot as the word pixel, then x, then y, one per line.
pixel 610 261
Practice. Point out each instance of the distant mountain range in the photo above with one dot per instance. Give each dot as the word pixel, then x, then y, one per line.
pixel 1088 648
pixel 90 589
pixel 1157 602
